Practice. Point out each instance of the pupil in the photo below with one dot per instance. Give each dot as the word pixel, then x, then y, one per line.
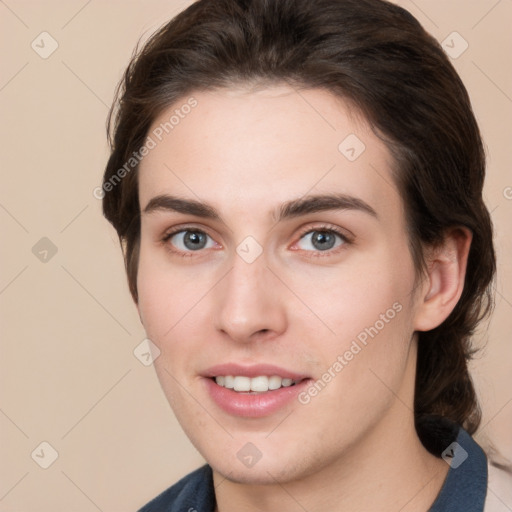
pixel 323 240
pixel 194 240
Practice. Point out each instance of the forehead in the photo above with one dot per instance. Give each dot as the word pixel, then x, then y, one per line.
pixel 246 150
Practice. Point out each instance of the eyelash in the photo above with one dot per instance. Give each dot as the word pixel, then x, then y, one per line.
pixel 329 228
pixel 181 229
pixel 314 254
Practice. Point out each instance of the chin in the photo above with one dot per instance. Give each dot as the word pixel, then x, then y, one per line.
pixel 248 477
pixel 263 472
pixel 253 476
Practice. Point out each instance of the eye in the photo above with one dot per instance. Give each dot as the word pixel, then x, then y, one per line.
pixel 187 240
pixel 321 240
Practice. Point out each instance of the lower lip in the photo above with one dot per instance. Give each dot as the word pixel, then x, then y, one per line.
pixel 253 405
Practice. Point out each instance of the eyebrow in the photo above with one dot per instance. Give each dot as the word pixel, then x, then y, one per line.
pixel 291 209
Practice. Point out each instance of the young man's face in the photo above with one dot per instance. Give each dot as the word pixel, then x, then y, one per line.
pixel 261 287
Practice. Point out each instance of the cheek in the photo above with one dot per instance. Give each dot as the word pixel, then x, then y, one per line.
pixel 173 308
pixel 358 294
pixel 168 309
pixel 364 318
pixel 166 295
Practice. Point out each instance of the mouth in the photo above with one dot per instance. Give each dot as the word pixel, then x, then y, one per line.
pixel 253 391
pixel 254 385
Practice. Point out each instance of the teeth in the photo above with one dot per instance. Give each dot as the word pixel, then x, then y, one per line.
pixel 259 384
pixel 242 384
pixel 274 382
pixel 229 382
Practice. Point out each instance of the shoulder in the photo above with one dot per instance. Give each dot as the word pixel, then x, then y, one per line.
pixel 465 487
pixel 193 493
pixel 499 496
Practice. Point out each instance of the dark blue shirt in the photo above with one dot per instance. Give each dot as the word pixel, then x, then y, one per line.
pixel 464 488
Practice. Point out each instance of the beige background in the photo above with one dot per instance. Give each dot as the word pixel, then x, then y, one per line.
pixel 68 373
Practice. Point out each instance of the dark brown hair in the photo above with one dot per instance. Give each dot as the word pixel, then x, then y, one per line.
pixel 376 56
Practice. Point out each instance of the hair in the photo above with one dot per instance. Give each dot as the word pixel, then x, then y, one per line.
pixel 376 56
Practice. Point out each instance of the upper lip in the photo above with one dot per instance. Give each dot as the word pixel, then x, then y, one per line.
pixel 253 370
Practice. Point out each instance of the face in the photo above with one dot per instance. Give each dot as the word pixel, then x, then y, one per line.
pixel 274 252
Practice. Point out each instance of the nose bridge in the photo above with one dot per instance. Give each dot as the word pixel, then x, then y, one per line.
pixel 248 301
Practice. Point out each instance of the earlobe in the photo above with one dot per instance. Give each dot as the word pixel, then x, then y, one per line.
pixel 444 282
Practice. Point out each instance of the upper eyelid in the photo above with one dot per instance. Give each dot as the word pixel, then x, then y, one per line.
pixel 186 227
pixel 325 227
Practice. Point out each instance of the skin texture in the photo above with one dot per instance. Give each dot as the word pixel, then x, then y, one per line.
pixel 245 152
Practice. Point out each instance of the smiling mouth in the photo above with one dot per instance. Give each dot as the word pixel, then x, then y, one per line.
pixel 254 396
pixel 254 385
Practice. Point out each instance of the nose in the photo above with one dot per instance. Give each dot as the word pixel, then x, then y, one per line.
pixel 249 302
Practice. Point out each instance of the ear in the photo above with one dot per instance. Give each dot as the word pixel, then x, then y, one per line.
pixel 444 282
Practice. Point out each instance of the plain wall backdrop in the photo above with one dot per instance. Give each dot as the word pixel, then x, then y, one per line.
pixel 68 373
